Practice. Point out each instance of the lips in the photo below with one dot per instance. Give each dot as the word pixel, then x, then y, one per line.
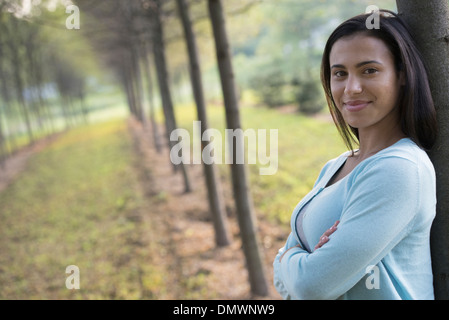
pixel 355 105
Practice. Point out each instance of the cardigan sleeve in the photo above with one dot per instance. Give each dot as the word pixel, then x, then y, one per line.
pixel 378 212
pixel 277 278
pixel 291 242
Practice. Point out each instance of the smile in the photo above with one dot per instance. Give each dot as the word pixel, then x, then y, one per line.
pixel 354 106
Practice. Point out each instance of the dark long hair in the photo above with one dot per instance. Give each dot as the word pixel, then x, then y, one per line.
pixel 415 103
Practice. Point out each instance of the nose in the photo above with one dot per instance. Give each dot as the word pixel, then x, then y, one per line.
pixel 353 85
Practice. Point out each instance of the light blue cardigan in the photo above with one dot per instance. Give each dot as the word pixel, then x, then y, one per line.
pixel 381 249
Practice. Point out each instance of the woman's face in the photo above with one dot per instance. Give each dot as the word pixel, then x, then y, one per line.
pixel 364 82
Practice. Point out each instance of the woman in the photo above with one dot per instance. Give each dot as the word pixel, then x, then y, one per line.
pixel 363 231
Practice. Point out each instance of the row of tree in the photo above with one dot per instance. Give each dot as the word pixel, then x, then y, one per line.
pixel 133 44
pixel 38 87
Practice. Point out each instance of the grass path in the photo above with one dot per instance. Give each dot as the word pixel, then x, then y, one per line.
pixel 75 204
pixel 100 198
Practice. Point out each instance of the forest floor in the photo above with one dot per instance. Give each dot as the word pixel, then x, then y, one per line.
pixel 16 163
pixel 182 226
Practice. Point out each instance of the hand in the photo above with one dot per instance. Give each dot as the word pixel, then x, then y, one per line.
pixel 325 237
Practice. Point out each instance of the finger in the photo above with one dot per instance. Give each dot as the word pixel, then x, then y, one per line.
pixel 328 232
pixel 324 239
pixel 332 229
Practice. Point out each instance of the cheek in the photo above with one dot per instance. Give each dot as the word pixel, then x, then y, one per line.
pixel 388 93
pixel 337 90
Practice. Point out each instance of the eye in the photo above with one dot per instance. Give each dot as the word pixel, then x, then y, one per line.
pixel 370 71
pixel 339 73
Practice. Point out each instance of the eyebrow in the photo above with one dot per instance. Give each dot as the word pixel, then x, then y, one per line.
pixel 358 65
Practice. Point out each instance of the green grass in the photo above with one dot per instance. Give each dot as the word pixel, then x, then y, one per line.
pixel 304 145
pixel 74 205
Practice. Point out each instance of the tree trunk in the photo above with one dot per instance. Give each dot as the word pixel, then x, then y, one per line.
pixel 18 81
pixel 137 80
pixel 429 22
pixel 5 96
pixel 125 85
pixel 3 154
pixel 161 67
pixel 147 70
pixel 243 201
pixel 128 80
pixel 216 204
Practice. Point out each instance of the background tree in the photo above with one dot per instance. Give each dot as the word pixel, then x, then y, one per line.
pixel 213 184
pixel 150 92
pixel 240 186
pixel 429 21
pixel 34 67
pixel 155 15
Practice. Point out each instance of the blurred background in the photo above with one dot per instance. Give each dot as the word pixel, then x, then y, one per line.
pixel 85 177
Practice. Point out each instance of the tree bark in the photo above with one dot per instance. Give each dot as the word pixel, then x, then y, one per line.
pixel 162 74
pixel 429 22
pixel 127 80
pixel 147 70
pixel 3 154
pixel 216 204
pixel 5 96
pixel 137 80
pixel 242 196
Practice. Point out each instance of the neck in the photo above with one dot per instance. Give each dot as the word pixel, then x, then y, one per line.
pixel 373 141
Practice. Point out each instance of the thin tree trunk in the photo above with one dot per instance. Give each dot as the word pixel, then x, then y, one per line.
pixel 40 82
pixel 5 96
pixel 429 22
pixel 243 201
pixel 215 198
pixel 31 50
pixel 131 93
pixel 137 78
pixel 3 153
pixel 161 66
pixel 147 70
pixel 17 71
pixel 21 99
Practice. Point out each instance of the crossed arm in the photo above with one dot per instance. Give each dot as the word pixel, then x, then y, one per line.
pixel 323 239
pixel 376 216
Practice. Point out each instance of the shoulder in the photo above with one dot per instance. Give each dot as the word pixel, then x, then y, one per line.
pixel 404 162
pixel 403 153
pixel 332 165
pixel 335 162
pixel 400 178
